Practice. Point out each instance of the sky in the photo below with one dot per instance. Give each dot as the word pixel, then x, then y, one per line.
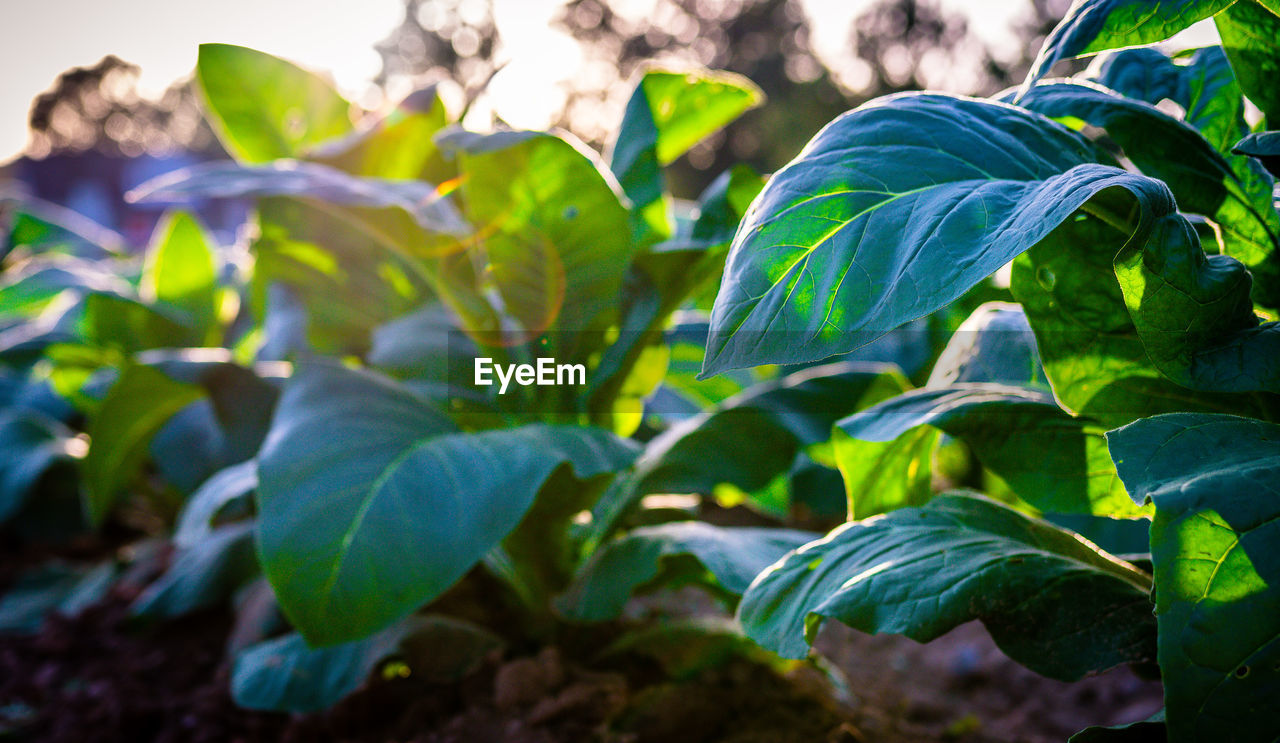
pixel 41 38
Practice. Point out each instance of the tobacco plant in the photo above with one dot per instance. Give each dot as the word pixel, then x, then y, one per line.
pixel 1135 378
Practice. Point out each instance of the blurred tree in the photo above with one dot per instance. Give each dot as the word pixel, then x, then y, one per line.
pixel 441 39
pixel 99 108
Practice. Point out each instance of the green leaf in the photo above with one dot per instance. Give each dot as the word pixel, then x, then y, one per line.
pixel 554 230
pixel 286 675
pixel 211 499
pixel 844 244
pixel 180 273
pixel 125 324
pixel 1213 480
pixel 1251 37
pixel 756 435
pixel 1200 81
pixel 880 476
pixel 1054 461
pixel 371 506
pixel 1092 26
pixel 1235 195
pixel 668 113
pixel 263 108
pixel 202 575
pixel 1050 600
pixel 639 560
pixel 30 443
pixel 423 201
pixel 1265 146
pixel 137 405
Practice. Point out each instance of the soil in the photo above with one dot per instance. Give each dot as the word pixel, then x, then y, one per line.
pixel 98 677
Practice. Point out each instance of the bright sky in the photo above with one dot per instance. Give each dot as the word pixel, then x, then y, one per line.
pixel 41 38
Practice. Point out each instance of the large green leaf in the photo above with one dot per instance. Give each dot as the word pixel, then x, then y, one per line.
pixel 1251 36
pixel 263 107
pixel 1056 462
pixel 668 113
pixel 30 443
pixel 1051 601
pixel 140 401
pixel 180 273
pixel 553 230
pixel 1092 26
pixel 1236 195
pixel 370 505
pixel 732 556
pixel 1200 81
pixel 844 244
pixel 1214 482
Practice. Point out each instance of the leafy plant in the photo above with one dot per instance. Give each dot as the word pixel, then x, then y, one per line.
pixel 1145 251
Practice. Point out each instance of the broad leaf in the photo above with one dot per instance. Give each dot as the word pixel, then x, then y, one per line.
pixel 844 244
pixel 1054 461
pixel 226 180
pixel 1213 480
pixel 1092 26
pixel 264 108
pixel 1051 601
pixel 732 556
pixel 371 506
pixel 140 401
pixel 1236 195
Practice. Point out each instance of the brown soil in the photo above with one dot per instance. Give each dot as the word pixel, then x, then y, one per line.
pixel 97 677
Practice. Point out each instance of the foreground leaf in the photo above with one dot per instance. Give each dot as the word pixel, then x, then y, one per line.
pixel 844 244
pixel 733 557
pixel 1051 601
pixel 1215 483
pixel 370 505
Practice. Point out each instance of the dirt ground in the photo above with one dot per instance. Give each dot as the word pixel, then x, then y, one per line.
pixel 96 677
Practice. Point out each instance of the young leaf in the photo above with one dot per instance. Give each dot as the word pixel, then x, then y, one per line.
pixel 1054 461
pixel 1051 601
pixel 180 273
pixel 371 506
pixel 137 405
pixel 733 557
pixel 263 108
pixel 1213 480
pixel 668 113
pixel 844 245
pixel 1092 26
